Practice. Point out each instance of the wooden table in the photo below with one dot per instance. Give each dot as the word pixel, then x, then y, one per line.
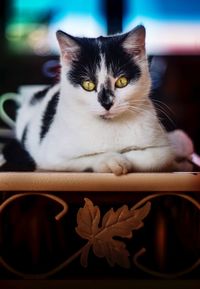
pixel 71 230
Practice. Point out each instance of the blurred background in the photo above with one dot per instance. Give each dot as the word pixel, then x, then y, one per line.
pixel 29 50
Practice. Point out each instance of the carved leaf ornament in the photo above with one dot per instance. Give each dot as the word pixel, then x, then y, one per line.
pixel 119 223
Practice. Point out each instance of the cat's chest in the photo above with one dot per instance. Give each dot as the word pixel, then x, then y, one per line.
pixel 94 137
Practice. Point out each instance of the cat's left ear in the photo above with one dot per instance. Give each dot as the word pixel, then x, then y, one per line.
pixel 134 41
pixel 68 46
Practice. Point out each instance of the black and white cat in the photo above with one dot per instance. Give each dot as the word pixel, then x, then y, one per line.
pixel 99 117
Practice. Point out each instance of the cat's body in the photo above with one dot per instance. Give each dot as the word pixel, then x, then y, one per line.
pixel 99 117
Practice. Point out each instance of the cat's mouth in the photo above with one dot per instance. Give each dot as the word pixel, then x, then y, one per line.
pixel 105 117
pixel 114 112
pixel 109 115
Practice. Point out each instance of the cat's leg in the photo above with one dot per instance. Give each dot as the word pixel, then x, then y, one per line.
pixel 113 163
pixel 160 159
pixel 110 162
pixel 152 159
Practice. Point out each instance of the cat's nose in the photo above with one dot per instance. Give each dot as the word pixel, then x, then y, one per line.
pixel 106 98
pixel 107 105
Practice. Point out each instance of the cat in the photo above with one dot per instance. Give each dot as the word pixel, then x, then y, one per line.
pixel 99 116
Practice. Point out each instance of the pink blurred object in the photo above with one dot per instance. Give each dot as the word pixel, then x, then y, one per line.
pixel 183 147
pixel 195 159
pixel 181 143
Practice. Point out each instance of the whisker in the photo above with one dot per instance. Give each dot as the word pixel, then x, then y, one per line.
pixel 159 108
pixel 137 110
pixel 141 109
pixel 139 106
pixel 163 111
pixel 164 104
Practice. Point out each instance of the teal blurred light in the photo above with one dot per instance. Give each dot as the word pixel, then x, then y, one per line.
pixel 31 25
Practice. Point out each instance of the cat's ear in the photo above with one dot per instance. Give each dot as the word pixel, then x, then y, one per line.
pixel 68 46
pixel 134 41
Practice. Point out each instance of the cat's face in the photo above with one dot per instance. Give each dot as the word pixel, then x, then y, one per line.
pixel 108 76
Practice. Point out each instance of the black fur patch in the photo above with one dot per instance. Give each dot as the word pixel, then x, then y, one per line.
pixel 39 95
pixel 87 62
pixel 17 158
pixel 118 61
pixel 49 115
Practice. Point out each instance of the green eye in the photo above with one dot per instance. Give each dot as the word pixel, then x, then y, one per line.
pixel 88 85
pixel 121 82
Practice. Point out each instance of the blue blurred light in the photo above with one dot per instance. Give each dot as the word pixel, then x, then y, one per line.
pixel 171 10
pixel 173 26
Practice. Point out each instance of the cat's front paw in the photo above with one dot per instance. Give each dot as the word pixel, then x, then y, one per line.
pixel 113 163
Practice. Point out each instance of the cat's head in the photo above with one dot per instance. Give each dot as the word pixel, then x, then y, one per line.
pixel 107 76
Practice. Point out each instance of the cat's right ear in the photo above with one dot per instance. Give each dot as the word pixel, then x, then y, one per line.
pixel 68 46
